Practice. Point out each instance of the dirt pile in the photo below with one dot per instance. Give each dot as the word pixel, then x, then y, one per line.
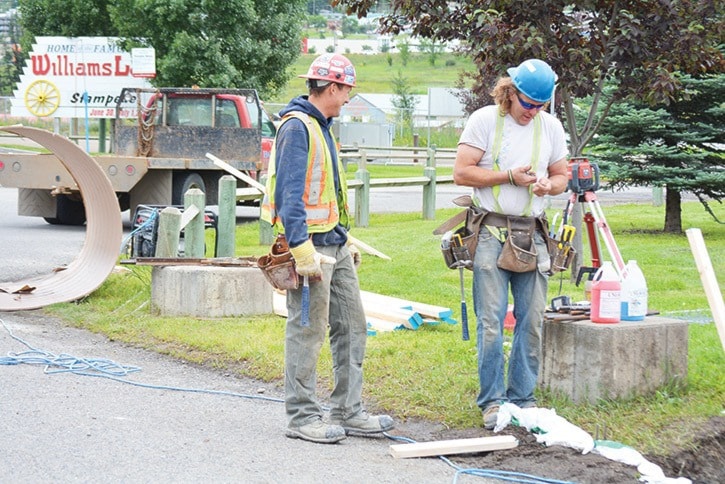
pixel 704 463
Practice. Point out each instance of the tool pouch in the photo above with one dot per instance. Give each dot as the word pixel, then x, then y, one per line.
pixel 519 251
pixel 278 266
pixel 561 258
pixel 456 256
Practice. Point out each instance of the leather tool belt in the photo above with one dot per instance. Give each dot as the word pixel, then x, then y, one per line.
pixel 519 251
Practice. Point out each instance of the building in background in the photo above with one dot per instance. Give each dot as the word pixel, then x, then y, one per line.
pixel 373 119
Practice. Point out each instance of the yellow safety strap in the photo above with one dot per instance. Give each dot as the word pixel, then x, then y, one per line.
pixel 497 141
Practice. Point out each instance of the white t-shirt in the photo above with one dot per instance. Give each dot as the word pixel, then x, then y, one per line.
pixel 516 148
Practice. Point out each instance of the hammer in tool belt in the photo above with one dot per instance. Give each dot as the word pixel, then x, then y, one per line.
pixel 462 258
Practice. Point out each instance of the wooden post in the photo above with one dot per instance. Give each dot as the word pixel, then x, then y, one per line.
pixel 362 193
pixel 709 281
pixel 429 190
pixel 266 231
pixel 102 135
pixel 194 231
pixel 167 245
pixel 227 222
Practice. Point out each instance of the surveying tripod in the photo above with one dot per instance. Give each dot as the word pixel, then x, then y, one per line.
pixel 583 181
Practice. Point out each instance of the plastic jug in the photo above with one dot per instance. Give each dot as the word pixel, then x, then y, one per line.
pixel 606 295
pixel 634 293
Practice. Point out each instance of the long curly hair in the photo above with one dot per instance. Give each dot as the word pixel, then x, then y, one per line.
pixel 501 93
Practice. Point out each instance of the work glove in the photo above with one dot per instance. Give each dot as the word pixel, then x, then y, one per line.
pixel 355 253
pixel 308 260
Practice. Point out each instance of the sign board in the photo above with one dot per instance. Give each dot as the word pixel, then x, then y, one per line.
pixel 143 62
pixel 76 77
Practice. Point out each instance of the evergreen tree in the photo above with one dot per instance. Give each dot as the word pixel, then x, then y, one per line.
pixel 680 147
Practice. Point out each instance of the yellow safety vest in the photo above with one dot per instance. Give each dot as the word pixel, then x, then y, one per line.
pixel 324 210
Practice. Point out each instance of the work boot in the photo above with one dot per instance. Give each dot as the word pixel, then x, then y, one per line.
pixel 490 415
pixel 364 423
pixel 317 431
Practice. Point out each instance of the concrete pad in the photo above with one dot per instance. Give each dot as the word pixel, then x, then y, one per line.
pixel 209 292
pixel 588 361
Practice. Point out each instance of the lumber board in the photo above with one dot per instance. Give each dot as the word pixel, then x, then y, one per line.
pixel 410 319
pixel 368 249
pixel 384 319
pixel 708 279
pixel 425 310
pixel 279 303
pixel 383 325
pixel 188 214
pixel 458 446
pixel 233 171
pixel 182 261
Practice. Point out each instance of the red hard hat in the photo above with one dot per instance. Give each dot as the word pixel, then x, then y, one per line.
pixel 332 68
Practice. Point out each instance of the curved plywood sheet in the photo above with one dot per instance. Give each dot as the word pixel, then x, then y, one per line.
pixel 103 232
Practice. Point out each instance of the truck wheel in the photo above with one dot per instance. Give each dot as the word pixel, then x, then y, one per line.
pixel 211 180
pixel 184 182
pixel 68 212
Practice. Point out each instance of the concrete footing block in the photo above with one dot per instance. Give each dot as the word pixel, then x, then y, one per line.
pixel 588 361
pixel 209 292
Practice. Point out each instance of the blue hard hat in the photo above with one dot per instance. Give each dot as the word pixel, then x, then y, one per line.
pixel 534 78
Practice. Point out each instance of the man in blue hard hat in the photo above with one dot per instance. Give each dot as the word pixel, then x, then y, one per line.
pixel 512 154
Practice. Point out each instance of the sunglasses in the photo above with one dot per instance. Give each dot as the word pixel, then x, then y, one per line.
pixel 528 106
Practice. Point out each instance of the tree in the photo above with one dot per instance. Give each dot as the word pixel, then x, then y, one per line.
pixel 67 19
pixel 636 47
pixel 404 50
pixel 678 147
pixel 215 43
pixel 432 49
pixel 8 74
pixel 404 101
pixel 11 58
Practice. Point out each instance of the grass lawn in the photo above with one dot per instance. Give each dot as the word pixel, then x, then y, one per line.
pixel 431 373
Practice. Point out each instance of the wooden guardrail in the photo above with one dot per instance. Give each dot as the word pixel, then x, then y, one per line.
pixel 362 183
pixel 428 158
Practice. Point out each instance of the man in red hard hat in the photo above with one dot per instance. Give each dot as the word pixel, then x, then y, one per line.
pixel 307 201
pixel 512 154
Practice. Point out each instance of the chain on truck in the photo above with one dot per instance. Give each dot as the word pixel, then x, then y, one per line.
pixel 156 156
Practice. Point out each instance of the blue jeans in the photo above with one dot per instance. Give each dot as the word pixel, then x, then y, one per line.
pixel 490 303
pixel 335 304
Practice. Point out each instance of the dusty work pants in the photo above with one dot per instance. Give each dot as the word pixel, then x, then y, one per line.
pixel 490 301
pixel 334 302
